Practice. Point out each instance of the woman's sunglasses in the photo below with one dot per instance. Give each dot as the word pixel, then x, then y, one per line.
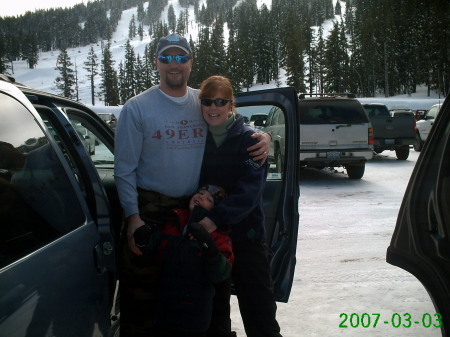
pixel 218 101
pixel 167 59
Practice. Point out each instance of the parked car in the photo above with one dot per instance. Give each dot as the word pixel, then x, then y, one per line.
pixel 110 119
pixel 87 137
pixel 394 131
pixel 420 113
pixel 60 215
pixel 275 125
pixel 424 126
pixel 58 225
pixel 334 131
pixel 420 243
pixel 257 117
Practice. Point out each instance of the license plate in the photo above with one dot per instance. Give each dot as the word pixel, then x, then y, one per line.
pixel 389 141
pixel 333 155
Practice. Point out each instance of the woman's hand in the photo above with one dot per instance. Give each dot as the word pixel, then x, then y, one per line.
pixel 260 150
pixel 134 222
pixel 208 224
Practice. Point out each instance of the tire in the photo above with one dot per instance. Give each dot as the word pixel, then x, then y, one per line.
pixel 419 143
pixel 355 171
pixel 402 153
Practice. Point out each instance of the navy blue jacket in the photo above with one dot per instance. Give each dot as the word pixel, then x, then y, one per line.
pixel 231 166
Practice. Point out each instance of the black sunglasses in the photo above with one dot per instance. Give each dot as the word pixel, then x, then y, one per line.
pixel 218 101
pixel 180 59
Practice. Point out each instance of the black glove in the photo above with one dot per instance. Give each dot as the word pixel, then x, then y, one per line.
pixel 197 214
pixel 203 238
pixel 147 238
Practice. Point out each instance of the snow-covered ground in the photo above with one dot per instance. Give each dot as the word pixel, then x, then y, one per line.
pixel 345 229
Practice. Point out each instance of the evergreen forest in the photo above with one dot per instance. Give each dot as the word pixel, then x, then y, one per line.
pixel 376 47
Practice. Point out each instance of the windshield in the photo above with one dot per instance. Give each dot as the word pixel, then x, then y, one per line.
pixel 332 112
pixel 376 110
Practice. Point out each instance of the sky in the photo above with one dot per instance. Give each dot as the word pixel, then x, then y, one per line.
pixel 19 7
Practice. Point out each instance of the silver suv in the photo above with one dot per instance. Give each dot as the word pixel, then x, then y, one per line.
pixel 110 119
pixel 335 132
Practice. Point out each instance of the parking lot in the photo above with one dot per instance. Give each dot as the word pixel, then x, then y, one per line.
pixel 345 229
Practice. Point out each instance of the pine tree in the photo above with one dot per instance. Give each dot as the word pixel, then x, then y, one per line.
pixel 149 68
pixel 66 80
pixel 109 85
pixel 139 75
pixel 319 64
pixel 203 59
pixel 141 31
pixel 217 46
pixel 140 12
pixel 244 20
pixel 3 60
pixel 91 66
pixel 233 61
pixel 30 49
pixel 171 19
pixel 267 56
pixel 337 8
pixel 132 28
pixel 336 59
pixel 123 91
pixel 129 79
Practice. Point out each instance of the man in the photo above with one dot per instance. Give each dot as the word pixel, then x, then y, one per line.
pixel 159 147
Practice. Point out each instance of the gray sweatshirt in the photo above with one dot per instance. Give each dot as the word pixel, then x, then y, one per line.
pixel 159 144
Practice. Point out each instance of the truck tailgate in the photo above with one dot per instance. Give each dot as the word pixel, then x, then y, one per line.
pixel 393 127
pixel 333 136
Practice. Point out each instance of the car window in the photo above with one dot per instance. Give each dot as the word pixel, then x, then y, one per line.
pixel 376 110
pixel 331 112
pixel 274 125
pixel 37 201
pixel 101 155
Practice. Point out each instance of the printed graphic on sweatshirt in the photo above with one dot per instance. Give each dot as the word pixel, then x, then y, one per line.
pixel 182 135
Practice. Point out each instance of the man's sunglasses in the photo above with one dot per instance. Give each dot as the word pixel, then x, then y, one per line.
pixel 218 101
pixel 167 59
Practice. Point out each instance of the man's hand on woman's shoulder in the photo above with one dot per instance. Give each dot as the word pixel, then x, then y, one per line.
pixel 260 150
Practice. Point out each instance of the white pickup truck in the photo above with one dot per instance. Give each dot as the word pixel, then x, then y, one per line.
pixel 424 126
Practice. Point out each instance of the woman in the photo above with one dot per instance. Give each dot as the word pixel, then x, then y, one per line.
pixel 226 163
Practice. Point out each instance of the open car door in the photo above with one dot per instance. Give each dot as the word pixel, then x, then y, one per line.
pixel 421 241
pixel 282 189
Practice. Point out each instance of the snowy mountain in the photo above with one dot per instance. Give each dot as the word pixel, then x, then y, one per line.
pixel 43 76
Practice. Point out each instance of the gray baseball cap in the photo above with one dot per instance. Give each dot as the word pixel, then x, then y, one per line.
pixel 173 41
